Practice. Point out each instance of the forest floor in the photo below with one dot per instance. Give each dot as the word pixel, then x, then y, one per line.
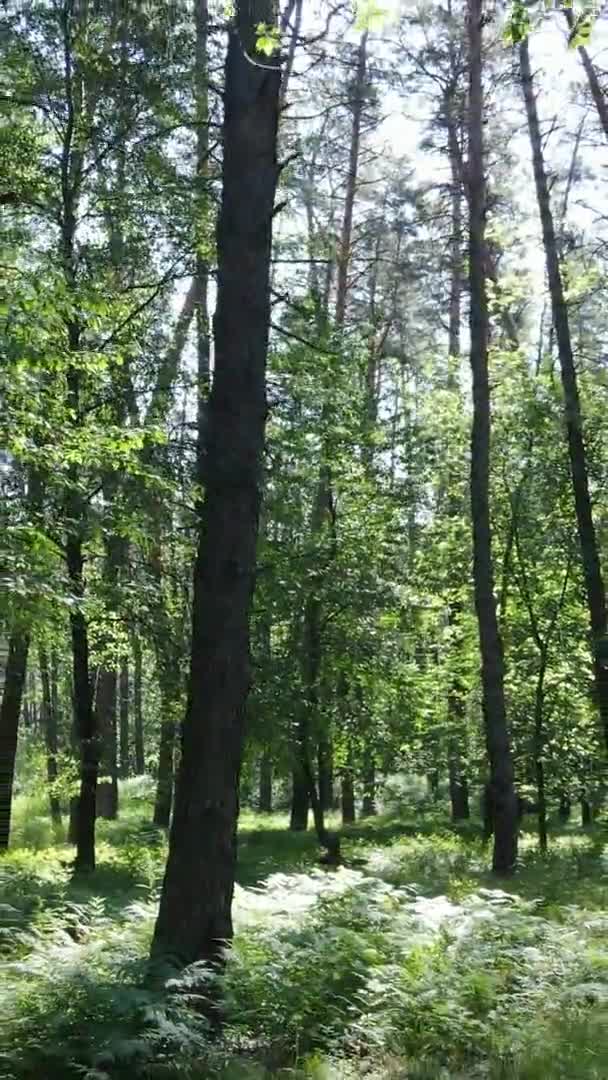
pixel 407 962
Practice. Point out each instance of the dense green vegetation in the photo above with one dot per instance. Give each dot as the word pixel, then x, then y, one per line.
pixel 303 526
pixel 408 961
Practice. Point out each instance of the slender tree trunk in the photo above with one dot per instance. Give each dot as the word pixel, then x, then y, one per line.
pixel 347 787
pixel 594 83
pixel 325 766
pixel 594 583
pixel 501 789
pixel 586 812
pixel 265 794
pixel 195 918
pixel 105 705
pixel 124 719
pixel 14 682
pixel 49 723
pixel 565 808
pixel 368 808
pixel 164 781
pixel 539 745
pixel 84 714
pixel 459 787
pixel 298 821
pixel 138 718
pixel 323 508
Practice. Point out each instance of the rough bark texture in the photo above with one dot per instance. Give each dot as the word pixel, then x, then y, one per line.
pixel 195 917
pixel 501 790
pixel 14 682
pixel 594 582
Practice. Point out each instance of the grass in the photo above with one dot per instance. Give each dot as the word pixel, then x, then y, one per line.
pixel 406 963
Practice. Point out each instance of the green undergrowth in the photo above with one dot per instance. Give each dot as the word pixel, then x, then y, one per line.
pixel 408 962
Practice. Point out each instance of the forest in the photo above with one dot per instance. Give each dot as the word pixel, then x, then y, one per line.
pixel 303 540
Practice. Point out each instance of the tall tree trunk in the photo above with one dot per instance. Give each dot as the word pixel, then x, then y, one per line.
pixel 170 701
pixel 14 682
pixel 539 745
pixel 298 821
pixel 501 789
pixel 105 706
pixel 459 787
pixel 195 916
pixel 323 509
pixel 594 583
pixel 594 83
pixel 456 707
pixel 84 714
pixel 586 812
pixel 49 724
pixel 138 716
pixel 347 791
pixel 202 200
pixel 265 793
pixel 368 807
pixel 124 719
pixel 325 765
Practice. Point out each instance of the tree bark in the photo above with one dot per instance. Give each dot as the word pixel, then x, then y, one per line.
pixel 105 705
pixel 594 582
pixel 586 812
pixel 594 83
pixel 565 807
pixel 298 821
pixel 325 766
pixel 166 750
pixel 458 784
pixel 195 917
pixel 368 807
pixel 501 789
pixel 347 788
pixel 265 793
pixel 138 718
pixel 124 720
pixel 49 724
pixel 14 682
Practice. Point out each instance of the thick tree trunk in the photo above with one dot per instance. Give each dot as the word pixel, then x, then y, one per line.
pixel 202 201
pixel 265 792
pixel 14 682
pixel 298 821
pixel 138 717
pixel 105 705
pixel 195 916
pixel 124 720
pixel 594 583
pixel 501 790
pixel 49 723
